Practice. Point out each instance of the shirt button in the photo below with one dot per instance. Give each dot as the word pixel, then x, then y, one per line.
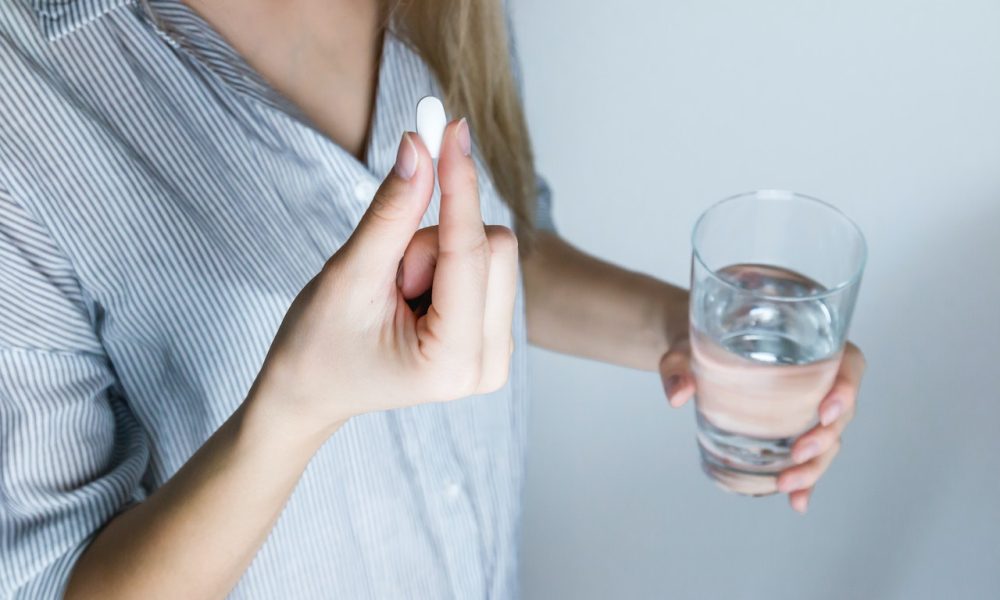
pixel 452 490
pixel 365 189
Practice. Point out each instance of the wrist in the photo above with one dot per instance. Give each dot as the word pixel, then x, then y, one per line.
pixel 272 416
pixel 670 317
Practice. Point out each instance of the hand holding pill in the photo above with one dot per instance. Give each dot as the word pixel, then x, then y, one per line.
pixel 459 346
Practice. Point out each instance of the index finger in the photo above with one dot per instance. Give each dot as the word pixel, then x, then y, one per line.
pixel 842 398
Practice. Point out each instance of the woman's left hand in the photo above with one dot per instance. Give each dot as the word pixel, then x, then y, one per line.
pixel 814 450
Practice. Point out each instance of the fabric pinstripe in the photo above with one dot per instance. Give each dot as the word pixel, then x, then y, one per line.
pixel 160 207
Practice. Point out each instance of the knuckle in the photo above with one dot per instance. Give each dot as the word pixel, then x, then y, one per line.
pixel 803 442
pixel 826 438
pixel 845 392
pixel 385 207
pixel 502 240
pixel 835 448
pixel 495 374
pixel 471 248
pixel 674 362
pixel 812 476
pixel 468 179
pixel 480 246
pixel 456 378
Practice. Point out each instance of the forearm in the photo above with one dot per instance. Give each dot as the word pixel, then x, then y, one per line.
pixel 580 305
pixel 196 535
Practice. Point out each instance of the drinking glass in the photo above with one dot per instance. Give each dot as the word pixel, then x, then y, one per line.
pixel 774 278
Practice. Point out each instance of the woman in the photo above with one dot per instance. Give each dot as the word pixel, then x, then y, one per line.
pixel 207 307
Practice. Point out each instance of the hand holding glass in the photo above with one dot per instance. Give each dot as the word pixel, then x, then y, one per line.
pixel 774 278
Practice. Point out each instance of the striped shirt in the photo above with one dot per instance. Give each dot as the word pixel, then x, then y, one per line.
pixel 160 207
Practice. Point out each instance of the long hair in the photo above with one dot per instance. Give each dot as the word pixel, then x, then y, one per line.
pixel 466 44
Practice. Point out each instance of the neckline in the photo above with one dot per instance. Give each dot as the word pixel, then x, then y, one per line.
pixel 187 31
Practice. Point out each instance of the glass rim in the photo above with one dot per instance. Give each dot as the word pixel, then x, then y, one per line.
pixel 846 283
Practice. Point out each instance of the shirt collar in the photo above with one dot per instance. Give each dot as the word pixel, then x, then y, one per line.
pixel 57 18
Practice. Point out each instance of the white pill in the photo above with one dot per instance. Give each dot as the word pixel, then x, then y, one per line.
pixel 431 122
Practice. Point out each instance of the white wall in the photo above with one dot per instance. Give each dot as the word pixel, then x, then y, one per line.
pixel 643 113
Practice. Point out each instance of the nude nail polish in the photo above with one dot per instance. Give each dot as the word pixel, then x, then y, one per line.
pixel 406 158
pixel 464 137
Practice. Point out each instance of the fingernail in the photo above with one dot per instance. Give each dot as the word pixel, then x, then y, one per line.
pixel 464 138
pixel 399 275
pixel 830 413
pixel 670 385
pixel 809 450
pixel 801 506
pixel 406 158
pixel 789 484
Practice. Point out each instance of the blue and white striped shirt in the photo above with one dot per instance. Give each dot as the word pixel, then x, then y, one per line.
pixel 160 207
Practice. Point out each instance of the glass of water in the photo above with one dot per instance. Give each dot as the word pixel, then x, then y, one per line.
pixel 774 278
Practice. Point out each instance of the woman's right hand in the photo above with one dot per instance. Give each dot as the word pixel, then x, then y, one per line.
pixel 351 344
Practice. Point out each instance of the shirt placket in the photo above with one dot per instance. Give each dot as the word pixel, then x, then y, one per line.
pixel 449 503
pixel 439 475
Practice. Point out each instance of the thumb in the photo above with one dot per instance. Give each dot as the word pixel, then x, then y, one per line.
pixel 675 370
pixel 380 239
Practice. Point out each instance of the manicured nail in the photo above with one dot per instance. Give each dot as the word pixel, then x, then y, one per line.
pixel 406 158
pixel 464 138
pixel 809 450
pixel 830 413
pixel 789 484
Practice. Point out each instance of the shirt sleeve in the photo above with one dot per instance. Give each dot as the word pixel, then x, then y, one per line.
pixel 71 453
pixel 543 197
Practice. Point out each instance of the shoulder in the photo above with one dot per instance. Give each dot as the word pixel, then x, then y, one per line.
pixel 30 69
pixel 60 92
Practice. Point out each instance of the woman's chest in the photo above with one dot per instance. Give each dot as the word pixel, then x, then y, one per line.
pixel 194 213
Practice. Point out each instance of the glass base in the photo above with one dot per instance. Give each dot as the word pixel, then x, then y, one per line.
pixel 740 464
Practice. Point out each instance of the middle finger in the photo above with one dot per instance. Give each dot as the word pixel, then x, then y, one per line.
pixel 456 313
pixel 819 439
pixel 806 475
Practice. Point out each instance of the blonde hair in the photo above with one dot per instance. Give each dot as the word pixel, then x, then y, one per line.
pixel 466 44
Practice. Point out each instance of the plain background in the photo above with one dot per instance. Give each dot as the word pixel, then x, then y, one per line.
pixel 643 113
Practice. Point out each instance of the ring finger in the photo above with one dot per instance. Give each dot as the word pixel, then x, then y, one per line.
pixel 501 289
